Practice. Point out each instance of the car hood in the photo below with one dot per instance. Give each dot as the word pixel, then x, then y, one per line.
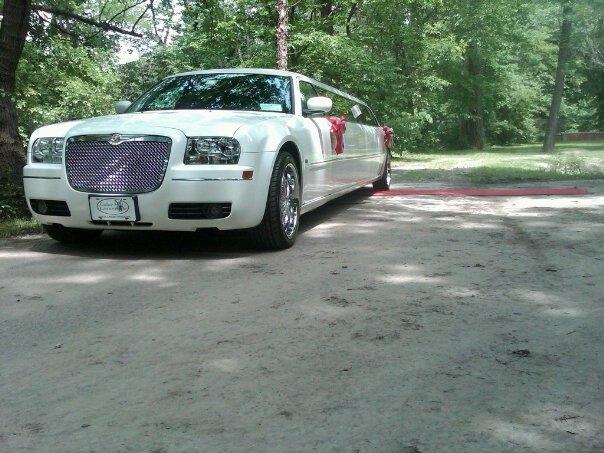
pixel 191 122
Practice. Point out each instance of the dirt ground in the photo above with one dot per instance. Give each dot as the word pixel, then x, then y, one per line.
pixel 395 324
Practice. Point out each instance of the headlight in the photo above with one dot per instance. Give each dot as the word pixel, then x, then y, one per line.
pixel 47 150
pixel 212 150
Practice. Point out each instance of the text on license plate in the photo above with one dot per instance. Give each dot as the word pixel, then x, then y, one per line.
pixel 113 208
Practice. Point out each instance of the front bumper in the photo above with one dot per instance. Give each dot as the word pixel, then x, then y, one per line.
pixel 181 184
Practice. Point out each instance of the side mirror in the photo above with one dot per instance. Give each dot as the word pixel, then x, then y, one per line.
pixel 122 106
pixel 318 104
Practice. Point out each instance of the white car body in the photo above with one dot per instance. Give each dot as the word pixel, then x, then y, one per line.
pixel 324 174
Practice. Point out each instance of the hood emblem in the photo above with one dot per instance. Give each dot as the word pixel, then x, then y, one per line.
pixel 115 139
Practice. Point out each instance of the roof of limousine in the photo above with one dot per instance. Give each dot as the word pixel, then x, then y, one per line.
pixel 272 72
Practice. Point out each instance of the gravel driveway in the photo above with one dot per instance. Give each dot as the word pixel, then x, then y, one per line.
pixel 395 324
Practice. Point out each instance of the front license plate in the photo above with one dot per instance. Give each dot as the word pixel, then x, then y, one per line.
pixel 113 208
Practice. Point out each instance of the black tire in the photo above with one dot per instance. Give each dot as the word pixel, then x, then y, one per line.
pixel 384 182
pixel 71 235
pixel 271 233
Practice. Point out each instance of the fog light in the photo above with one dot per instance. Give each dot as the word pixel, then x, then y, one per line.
pixel 214 211
pixel 247 174
pixel 42 208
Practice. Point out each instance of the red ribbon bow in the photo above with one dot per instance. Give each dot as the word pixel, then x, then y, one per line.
pixel 338 127
pixel 388 136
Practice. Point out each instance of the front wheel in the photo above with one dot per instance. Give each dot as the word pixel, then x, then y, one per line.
pixel 384 182
pixel 71 235
pixel 279 227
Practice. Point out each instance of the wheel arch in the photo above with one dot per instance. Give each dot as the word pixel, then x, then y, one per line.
pixel 293 149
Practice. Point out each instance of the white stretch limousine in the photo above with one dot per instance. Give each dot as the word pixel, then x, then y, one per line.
pixel 228 149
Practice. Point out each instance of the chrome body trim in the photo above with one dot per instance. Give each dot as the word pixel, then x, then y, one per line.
pixel 210 179
pixel 316 202
pixel 116 139
pixel 330 161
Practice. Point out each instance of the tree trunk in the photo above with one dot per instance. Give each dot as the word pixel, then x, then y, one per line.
pixel 600 99
pixel 13 30
pixel 351 13
pixel 563 57
pixel 282 22
pixel 473 129
pixel 326 16
pixel 599 76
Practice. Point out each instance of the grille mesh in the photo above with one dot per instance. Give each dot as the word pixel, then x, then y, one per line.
pixel 129 167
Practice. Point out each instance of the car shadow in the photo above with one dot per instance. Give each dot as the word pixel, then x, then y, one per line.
pixel 186 245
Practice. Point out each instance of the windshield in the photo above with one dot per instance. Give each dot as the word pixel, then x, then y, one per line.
pixel 256 92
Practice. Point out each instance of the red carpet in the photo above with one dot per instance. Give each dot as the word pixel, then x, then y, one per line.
pixel 478 192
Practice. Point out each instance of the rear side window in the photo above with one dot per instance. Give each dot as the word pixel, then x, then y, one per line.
pixel 374 119
pixel 354 112
pixel 365 116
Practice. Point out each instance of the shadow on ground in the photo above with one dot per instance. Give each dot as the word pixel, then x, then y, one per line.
pixel 395 324
pixel 187 245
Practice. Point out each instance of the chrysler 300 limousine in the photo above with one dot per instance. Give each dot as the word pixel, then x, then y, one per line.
pixel 227 149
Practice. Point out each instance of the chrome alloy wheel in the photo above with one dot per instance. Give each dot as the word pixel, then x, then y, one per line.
pixel 289 200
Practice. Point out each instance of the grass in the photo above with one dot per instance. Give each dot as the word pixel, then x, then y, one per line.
pixel 505 164
pixel 18 227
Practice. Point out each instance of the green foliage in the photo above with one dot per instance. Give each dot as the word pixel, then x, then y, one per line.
pixel 426 67
pixel 12 204
pixel 506 175
pixel 140 75
pixel 572 165
pixel 18 227
pixel 62 82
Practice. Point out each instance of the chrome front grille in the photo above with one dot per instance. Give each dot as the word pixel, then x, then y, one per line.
pixel 117 163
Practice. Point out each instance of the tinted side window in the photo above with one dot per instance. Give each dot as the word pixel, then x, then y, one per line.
pixel 355 113
pixel 341 105
pixel 359 113
pixel 307 91
pixel 366 116
pixel 374 119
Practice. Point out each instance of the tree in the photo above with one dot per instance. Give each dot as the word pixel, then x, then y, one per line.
pixel 593 56
pixel 493 78
pixel 472 126
pixel 16 23
pixel 442 73
pixel 13 31
pixel 282 19
pixel 563 58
